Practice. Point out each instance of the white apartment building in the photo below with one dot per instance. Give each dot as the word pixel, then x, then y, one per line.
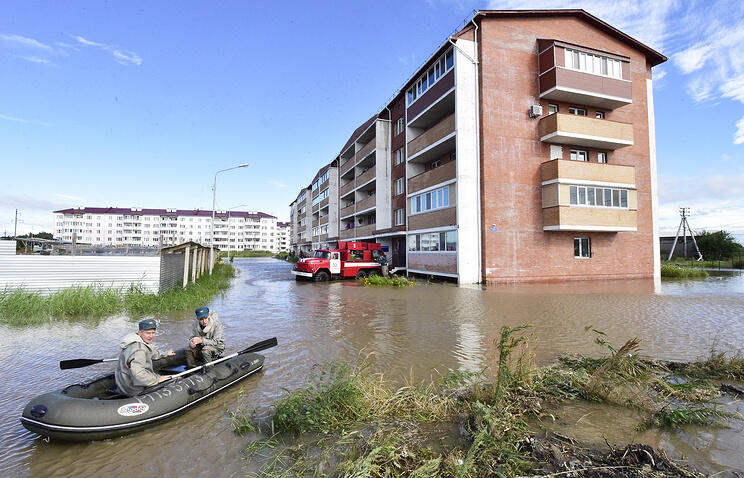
pixel 283 236
pixel 113 226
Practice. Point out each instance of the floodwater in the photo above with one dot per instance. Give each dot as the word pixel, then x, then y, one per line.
pixel 416 330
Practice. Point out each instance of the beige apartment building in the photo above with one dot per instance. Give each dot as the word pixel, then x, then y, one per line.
pixel 522 150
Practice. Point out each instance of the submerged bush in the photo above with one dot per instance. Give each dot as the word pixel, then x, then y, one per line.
pixel 394 281
pixel 672 270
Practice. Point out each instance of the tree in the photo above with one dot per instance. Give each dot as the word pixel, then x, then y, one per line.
pixel 717 245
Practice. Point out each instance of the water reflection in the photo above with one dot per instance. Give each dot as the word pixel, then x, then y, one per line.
pixel 411 330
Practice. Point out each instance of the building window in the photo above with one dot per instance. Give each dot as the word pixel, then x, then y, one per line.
pixel 399 186
pixel 577 111
pixel 435 72
pixel 579 155
pixel 598 197
pixel 595 64
pixel 552 109
pixel 599 115
pixel 400 217
pixel 435 164
pixel 601 157
pixel 582 247
pixel 399 156
pixel 445 241
pixel 431 200
pixel 399 125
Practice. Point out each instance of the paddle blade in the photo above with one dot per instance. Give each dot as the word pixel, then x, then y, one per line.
pixel 262 345
pixel 78 363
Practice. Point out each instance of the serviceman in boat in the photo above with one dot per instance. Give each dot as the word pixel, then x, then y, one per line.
pixel 208 338
pixel 135 373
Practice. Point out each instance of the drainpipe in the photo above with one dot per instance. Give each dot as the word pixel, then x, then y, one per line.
pixel 475 62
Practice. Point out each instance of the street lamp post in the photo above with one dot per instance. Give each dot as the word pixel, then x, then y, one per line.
pixel 228 230
pixel 214 204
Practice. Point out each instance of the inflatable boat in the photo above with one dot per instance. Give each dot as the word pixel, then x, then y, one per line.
pixel 95 410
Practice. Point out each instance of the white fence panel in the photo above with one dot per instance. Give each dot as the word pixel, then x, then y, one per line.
pixel 7 248
pixel 48 274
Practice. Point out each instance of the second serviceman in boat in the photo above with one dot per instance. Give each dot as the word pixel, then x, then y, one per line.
pixel 207 341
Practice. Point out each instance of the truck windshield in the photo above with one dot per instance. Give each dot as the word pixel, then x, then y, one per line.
pixel 322 254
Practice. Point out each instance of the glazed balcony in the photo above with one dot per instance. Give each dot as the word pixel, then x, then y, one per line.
pixel 584 171
pixel 580 88
pixel 432 139
pixel 433 177
pixel 574 130
pixel 572 218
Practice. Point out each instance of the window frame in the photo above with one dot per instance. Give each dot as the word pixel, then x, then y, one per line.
pixel 582 247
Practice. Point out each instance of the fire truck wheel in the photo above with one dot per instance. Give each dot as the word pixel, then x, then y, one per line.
pixel 321 276
pixel 361 274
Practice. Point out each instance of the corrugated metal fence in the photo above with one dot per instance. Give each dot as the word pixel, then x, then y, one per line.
pixel 52 273
pixel 152 274
pixel 7 248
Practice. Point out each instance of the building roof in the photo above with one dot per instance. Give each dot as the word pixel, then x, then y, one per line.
pixel 357 132
pixel 163 212
pixel 282 224
pixel 654 57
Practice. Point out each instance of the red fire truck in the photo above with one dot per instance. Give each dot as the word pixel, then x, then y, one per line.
pixel 350 260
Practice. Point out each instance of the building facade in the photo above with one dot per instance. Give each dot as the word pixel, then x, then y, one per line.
pixel 283 236
pixel 522 150
pixel 233 230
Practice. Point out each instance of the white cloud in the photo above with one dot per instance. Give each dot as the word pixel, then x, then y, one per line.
pixel 69 198
pixel 21 120
pixel 739 135
pixel 35 59
pixel 122 57
pixel 693 58
pixel 26 42
pixel 276 183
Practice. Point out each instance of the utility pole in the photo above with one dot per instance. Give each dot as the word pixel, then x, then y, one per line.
pixel 685 226
pixel 15 230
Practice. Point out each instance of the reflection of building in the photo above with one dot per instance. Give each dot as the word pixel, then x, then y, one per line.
pixel 234 230
pixel 522 150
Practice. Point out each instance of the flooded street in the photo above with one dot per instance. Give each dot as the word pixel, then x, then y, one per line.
pixel 413 330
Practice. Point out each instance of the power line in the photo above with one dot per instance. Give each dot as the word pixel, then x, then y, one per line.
pixel 685 226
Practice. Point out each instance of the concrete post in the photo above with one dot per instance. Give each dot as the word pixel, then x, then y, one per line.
pixel 186 266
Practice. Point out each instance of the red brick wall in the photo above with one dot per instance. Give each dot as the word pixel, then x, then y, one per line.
pixel 519 250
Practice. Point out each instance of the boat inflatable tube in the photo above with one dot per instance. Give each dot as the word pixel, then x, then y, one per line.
pixel 95 410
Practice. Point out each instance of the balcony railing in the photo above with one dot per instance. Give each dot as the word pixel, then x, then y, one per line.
pixel 346 211
pixel 366 203
pixel 366 176
pixel 430 178
pixel 346 188
pixel 347 165
pixel 578 87
pixel 583 131
pixel 366 149
pixel 440 130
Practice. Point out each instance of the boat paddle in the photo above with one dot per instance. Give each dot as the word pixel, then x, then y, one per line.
pixel 257 347
pixel 79 363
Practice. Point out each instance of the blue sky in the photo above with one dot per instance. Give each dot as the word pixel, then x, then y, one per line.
pixel 137 104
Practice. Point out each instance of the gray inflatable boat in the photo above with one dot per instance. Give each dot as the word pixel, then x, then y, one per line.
pixel 95 411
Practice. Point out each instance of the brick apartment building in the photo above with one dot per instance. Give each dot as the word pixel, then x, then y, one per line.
pixel 522 150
